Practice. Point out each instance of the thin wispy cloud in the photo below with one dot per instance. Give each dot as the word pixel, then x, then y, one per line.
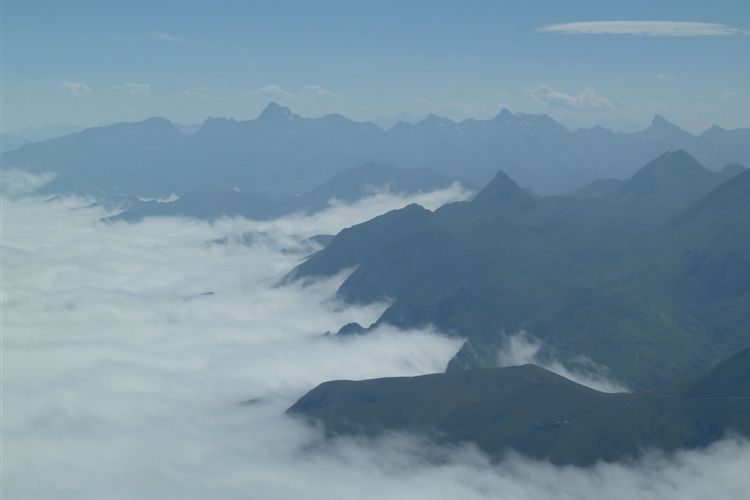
pixel 76 88
pixel 643 28
pixel 458 108
pixel 272 89
pixel 201 92
pixel 728 94
pixel 587 100
pixel 318 91
pixel 307 91
pixel 166 37
pixel 522 348
pixel 135 89
pixel 15 182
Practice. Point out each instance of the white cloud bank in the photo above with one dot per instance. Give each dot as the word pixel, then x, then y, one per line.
pixel 127 349
pixel 586 100
pixel 643 28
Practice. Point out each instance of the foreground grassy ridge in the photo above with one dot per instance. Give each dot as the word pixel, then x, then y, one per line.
pixel 535 412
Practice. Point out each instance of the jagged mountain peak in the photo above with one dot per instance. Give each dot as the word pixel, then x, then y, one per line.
pixel 658 121
pixel 504 113
pixel 275 112
pixel 662 128
pixel 502 191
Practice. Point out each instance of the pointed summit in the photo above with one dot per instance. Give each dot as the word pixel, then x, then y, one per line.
pixel 274 112
pixel 433 119
pixel 677 162
pixel 658 121
pixel 504 194
pixel 433 123
pixel 674 179
pixel 661 128
pixel 504 114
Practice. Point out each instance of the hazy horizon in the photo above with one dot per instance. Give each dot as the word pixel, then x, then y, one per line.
pixel 583 63
pixel 385 122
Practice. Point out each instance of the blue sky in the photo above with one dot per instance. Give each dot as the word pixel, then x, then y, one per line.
pixel 94 62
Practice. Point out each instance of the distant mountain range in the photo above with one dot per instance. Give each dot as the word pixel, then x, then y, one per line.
pixel 542 415
pixel 649 277
pixel 17 138
pixel 281 153
pixel 347 186
pixel 9 142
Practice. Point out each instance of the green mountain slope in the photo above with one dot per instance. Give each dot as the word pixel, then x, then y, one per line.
pixel 533 411
pixel 624 295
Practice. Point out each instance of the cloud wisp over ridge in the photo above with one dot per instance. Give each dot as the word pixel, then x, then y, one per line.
pixel 587 100
pixel 643 28
pixel 522 348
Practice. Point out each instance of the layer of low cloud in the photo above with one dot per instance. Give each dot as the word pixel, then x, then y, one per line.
pixel 134 89
pixel 128 349
pixel 341 214
pixel 643 28
pixel 587 100
pixel 523 348
pixel 76 88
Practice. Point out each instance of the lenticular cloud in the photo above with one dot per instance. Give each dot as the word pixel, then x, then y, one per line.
pixel 155 360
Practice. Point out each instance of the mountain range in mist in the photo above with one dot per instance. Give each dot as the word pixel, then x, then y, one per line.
pixel 281 153
pixel 650 279
pixel 645 281
pixel 347 186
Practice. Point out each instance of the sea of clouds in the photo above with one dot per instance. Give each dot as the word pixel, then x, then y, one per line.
pixel 155 360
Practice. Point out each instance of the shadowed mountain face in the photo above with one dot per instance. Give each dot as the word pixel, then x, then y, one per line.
pixel 653 296
pixel 281 153
pixel 538 413
pixel 652 196
pixel 350 185
pixel 674 180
